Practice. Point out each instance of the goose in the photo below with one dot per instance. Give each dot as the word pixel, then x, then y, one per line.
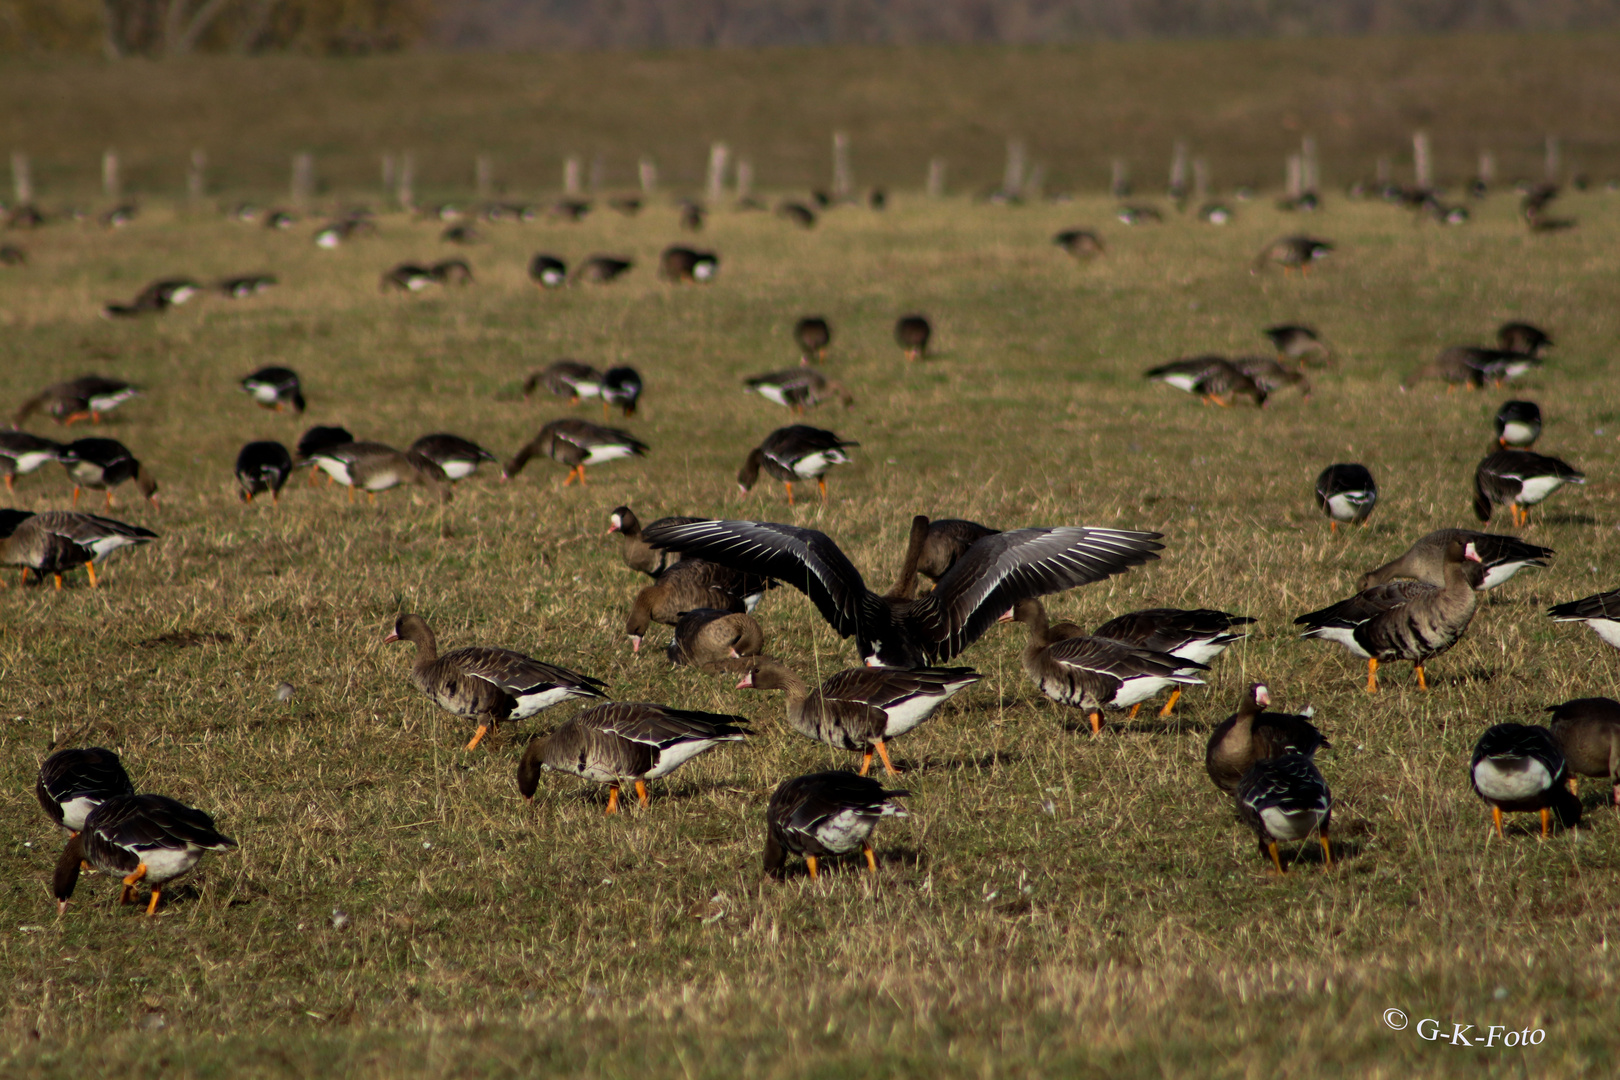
pixel 822 814
pixel 1251 734
pixel 798 388
pixel 569 209
pixel 1215 213
pixel 1293 253
pixel 636 552
pixel 1297 342
pixel 1520 478
pixel 262 467
pixel 686 586
pixel 275 388
pixel 1404 620
pixel 333 234
pixel 319 437
pixel 1498 366
pixel 680 264
pixel 375 467
pixel 84 398
pixel 1272 375
pixel 279 220
pixel 150 838
pixel 1346 492
pixel 567 378
pixel 1472 366
pixel 1080 243
pixel 22 453
pixel 244 286
pixel 1600 611
pixel 548 271
pixel 797 452
pixel 458 457
pixel 798 213
pixel 75 781
pixel 1534 211
pixel 1212 378
pixel 1519 767
pixel 1518 424
pixel 610 744
pixel 601 269
pixel 103 464
pixel 577 443
pixel 451 272
pixel 1092 672
pixel 621 386
pixel 932 549
pixel 407 277
pixel 1284 799
pixel 488 685
pixel 812 334
pixel 60 540
pixel 708 637
pixel 862 708
pixel 691 216
pixel 461 234
pixel 1138 215
pixel 1200 635
pixel 993 575
pixel 155 299
pixel 1501 556
pixel 912 333
pixel 1523 338
pixel 1587 730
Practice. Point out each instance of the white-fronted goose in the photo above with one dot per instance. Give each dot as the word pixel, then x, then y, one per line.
pixel 1298 342
pixel 333 234
pixel 863 708
pixel 373 467
pixel 1520 478
pixel 798 388
pixel 1404 620
pixel 684 264
pixel 1090 672
pixel 548 271
pixel 569 209
pixel 1215 213
pixel 1518 424
pixel 319 437
pixel 245 285
pixel 1212 378
pixel 611 744
pixel 1346 492
pixel 636 552
pixel 1499 366
pixel 621 386
pixel 60 540
pixel 1284 799
pixel 103 464
pixel 84 398
pixel 1138 215
pixel 458 457
pixel 142 838
pixel 686 586
pixel 1293 253
pixel 798 213
pixel 601 269
pixel 797 452
pixel 1501 556
pixel 991 577
pixel 155 299
pixel 708 637
pixel 1600 611
pixel 1519 768
pixel 1273 374
pixel 75 781
pixel 1523 338
pixel 1587 730
pixel 567 378
pixel 275 388
pixel 822 814
pixel 812 334
pixel 932 549
pixel 1080 243
pixel 22 453
pixel 1457 365
pixel 407 277
pixel 488 685
pixel 1251 734
pixel 262 467
pixel 912 333
pixel 577 443
pixel 1199 635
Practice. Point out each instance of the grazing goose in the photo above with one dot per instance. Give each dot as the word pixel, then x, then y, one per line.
pixel 461 234
pixel 1138 215
pixel 577 443
pixel 912 333
pixel 1091 672
pixel 1212 378
pixel 548 271
pixel 1600 611
pixel 567 378
pixel 103 464
pixel 798 388
pixel 1292 253
pixel 1216 213
pixel 332 235
pixel 637 553
pixel 684 264
pixel 1404 620
pixel 822 814
pixel 1251 734
pixel 22 453
pixel 1199 635
pixel 933 548
pixel 262 467
pixel 150 838
pixel 1298 342
pixel 812 334
pixel 407 277
pixel 60 540
pixel 1457 365
pixel 1519 767
pixel 628 205
pixel 708 637
pixel 1284 799
pixel 1520 478
pixel 601 269
pixel 458 457
pixel 798 213
pixel 1518 424
pixel 1587 730
pixel 621 386
pixel 374 467
pixel 1523 338
pixel 155 299
pixel 75 781
pixel 1347 493
pixel 276 388
pixel 245 285
pixel 84 398
pixel 319 437
pixel 488 685
pixel 1498 366
pixel 862 708
pixel 1272 375
pixel 794 453
pixel 1080 243
pixel 1425 561
pixel 994 574
pixel 609 744
pixel 686 586
pixel 277 220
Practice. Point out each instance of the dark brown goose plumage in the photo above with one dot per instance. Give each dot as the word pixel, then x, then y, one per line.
pixel 61 540
pixel 708 638
pixel 1212 378
pixel 143 838
pixel 567 378
pixel 373 467
pixel 796 452
pixel 1520 478
pixel 73 782
pixel 636 552
pixel 577 443
pixel 825 813
pixel 1587 730
pixel 103 464
pixel 1251 734
pixel 1425 561
pixel 686 586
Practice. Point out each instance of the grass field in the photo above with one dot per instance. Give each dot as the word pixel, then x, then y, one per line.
pixel 1057 904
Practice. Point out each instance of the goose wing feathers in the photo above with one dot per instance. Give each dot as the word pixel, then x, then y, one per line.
pixel 1365 606
pixel 137 823
pixel 1597 606
pixel 1121 660
pixel 802 805
pixel 661 727
pixel 92 772
pixel 518 674
pixel 883 688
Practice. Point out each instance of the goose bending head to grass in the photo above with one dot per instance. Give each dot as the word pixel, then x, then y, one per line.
pixel 373 467
pixel 22 453
pixel 1520 768
pixel 275 388
pixel 567 378
pixel 576 443
pixel 1212 378
pixel 73 782
pixel 61 540
pixel 912 333
pixel 103 464
pixel 797 452
pixel 458 457
pixel 1518 424
pixel 1199 635
pixel 686 586
pixel 1284 799
pixel 798 388
pixel 1587 730
pixel 84 398
pixel 261 467
pixel 812 334
pixel 1293 253
pixel 709 638
pixel 1346 493
pixel 145 839
pixel 1521 479
pixel 825 814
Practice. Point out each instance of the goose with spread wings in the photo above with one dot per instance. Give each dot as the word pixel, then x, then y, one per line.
pixel 990 577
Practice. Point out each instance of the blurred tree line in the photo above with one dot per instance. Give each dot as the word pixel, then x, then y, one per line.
pixel 177 27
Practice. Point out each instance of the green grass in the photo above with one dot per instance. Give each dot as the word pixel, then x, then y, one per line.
pixel 1055 905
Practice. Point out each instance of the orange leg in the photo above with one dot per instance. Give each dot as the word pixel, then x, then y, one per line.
pixel 108 494
pixel 871 859
pixel 95 417
pixel 1422 684
pixel 582 475
pixel 1334 527
pixel 613 798
pixel 1327 849
pixel 75 494
pixel 1372 675
pixel 641 793
pixel 789 485
pixel 1276 860
pixel 883 752
pixel 1496 816
pixel 478 736
pixel 1095 716
pixel 129 884
pixel 1169 706
pixel 810 861
pixel 1546 822
pixel 58 582
pixel 1134 710
pixel 821 482
pixel 371 498
pixel 10 487
pixel 351 495
pixel 605 416
pixel 90 568
pixel 151 907
pixel 866 761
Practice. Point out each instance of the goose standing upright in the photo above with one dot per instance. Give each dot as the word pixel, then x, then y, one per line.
pixel 822 814
pixel 1347 493
pixel 1251 734
pixel 1520 478
pixel 1519 767
pixel 636 552
pixel 797 452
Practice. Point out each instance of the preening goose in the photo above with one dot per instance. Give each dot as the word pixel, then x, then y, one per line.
pixel 488 685
pixel 863 708
pixel 84 398
pixel 621 386
pixel 1425 561
pixel 1199 635
pixel 458 457
pixel 1520 478
pixel 1251 734
pixel 1587 730
pixel 798 388
pixel 143 838
pixel 374 467
pixel 812 334
pixel 933 548
pixel 262 467
pixel 1212 378
pixel 1347 493
pixel 60 540
pixel 1519 767
pixel 1404 620
pixel 1293 253
pixel 822 814
pixel 1284 799
pixel 686 586
pixel 797 452
pixel 567 378
pixel 1518 424
pixel 275 388
pixel 684 264
pixel 993 575
pixel 912 333
pixel 708 638
pixel 610 744
pixel 103 464
pixel 636 552
pixel 22 453
pixel 577 443
pixel 73 782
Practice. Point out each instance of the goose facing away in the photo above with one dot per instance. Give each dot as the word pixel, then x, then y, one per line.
pixel 993 575
pixel 686 586
pixel 84 398
pixel 798 388
pixel 797 452
pixel 548 271
pixel 1587 730
pixel 275 388
pixel 567 378
pixel 1284 799
pixel 812 334
pixel 458 457
pixel 1518 424
pixel 577 443
pixel 1600 611
pixel 374 467
pixel 488 685
pixel 610 744
pixel 262 467
pixel 143 838
pixel 912 333
pixel 822 814
pixel 103 464
pixel 1347 493
pixel 60 540
pixel 319 437
pixel 1519 767
pixel 708 638
pixel 1425 560
pixel 1251 734
pixel 684 264
pixel 1520 478
pixel 22 453
pixel 636 552
pixel 601 269
pixel 621 386
pixel 73 782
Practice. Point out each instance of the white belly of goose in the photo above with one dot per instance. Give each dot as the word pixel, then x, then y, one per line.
pixel 551 278
pixel 103 546
pixel 814 465
pixel 908 713
pixel 1516 368
pixel 1189 383
pixel 384 480
pixel 458 469
pixel 1289 824
pixel 166 864
pixel 1136 689
pixel 610 452
pixel 703 271
pixel 587 389
pixel 1532 489
pixel 328 239
pixel 673 757
pixel 1607 629
pixel 1511 779
pixel 336 468
pixel 1518 434
pixel 264 393
pixel 530 703
pixel 104 402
